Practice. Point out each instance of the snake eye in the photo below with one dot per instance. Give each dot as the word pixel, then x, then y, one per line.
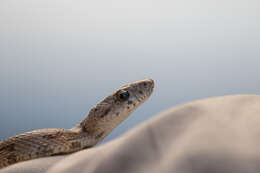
pixel 124 95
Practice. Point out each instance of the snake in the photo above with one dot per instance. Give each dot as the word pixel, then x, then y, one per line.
pixel 99 122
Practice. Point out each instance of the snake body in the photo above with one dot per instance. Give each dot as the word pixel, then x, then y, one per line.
pixel 101 120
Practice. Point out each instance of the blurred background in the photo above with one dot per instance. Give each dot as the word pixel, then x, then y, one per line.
pixel 59 58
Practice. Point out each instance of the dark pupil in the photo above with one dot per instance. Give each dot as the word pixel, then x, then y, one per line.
pixel 124 95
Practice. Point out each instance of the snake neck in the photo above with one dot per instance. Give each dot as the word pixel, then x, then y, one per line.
pixel 92 137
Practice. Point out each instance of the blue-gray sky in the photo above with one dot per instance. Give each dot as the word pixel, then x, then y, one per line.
pixel 60 58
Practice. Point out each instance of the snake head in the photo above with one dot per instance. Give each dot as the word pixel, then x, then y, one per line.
pixel 115 108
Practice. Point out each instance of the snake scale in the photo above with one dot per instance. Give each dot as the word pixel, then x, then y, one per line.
pixel 101 120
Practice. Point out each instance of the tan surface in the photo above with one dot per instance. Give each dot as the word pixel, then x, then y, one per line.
pixel 212 135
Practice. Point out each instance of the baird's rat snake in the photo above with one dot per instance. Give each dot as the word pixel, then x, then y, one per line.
pixel 101 120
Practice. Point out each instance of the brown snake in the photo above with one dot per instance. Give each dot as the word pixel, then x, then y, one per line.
pixel 101 120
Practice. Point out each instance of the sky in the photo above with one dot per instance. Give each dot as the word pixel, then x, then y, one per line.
pixel 59 58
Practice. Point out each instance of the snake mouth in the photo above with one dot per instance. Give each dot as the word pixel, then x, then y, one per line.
pixel 137 98
pixel 143 89
pixel 148 86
